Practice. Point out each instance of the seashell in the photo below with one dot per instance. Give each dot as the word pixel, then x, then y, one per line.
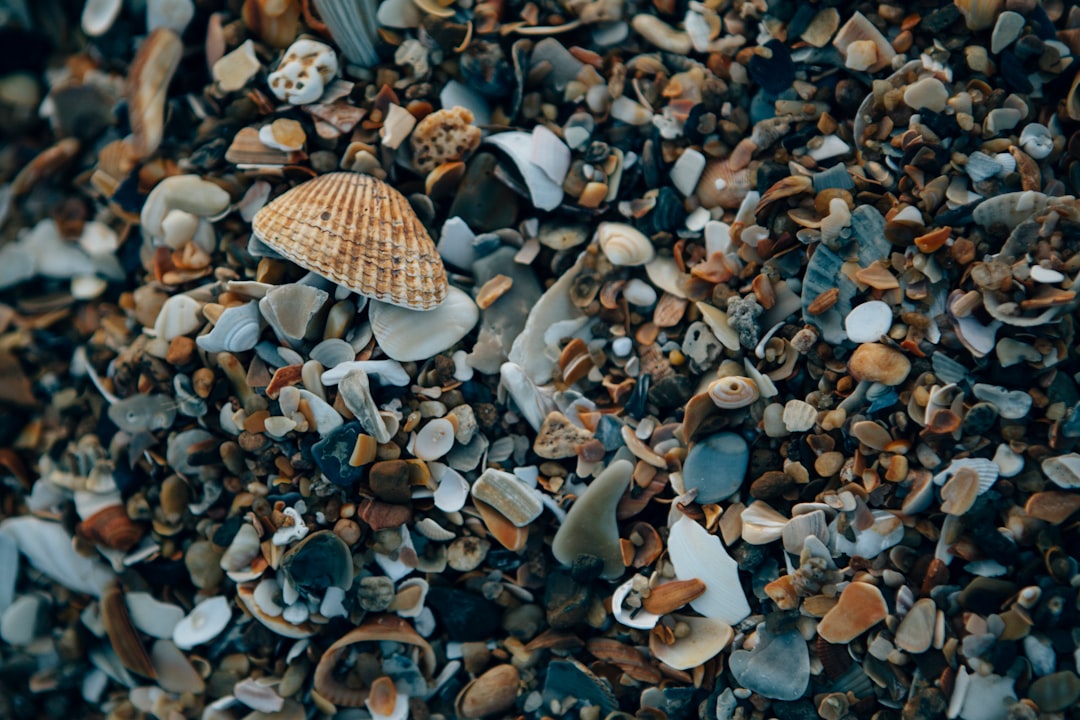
pixel 859 29
pixel 320 561
pixel 245 593
pixel 275 22
pixel 453 489
pixel 204 623
pixel 639 617
pixel 733 392
pixel 406 335
pixel 26 619
pixel 112 528
pixel 624 244
pixel 148 81
pixel 305 71
pixel 410 596
pixel 1009 209
pixel 509 496
pixel 799 416
pixel 149 615
pixel 434 440
pixel 48 548
pixel 545 193
pixel 706 638
pixel 432 530
pixel 868 321
pixel 289 310
pixel 352 25
pixel 387 372
pixel 176 196
pixel 360 233
pixel 380 628
pixel 243 549
pixel 696 554
pixel 761 524
pixel 1063 470
pixel 236 330
pixel 123 636
pixel 99 15
pixel 175 672
pixel 509 535
pixel 333 352
pixel 661 35
pixel 722 185
pixel 140 413
pixel 491 693
pixel 980 14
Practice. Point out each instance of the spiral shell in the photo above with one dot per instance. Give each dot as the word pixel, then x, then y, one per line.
pixel 733 392
pixel 624 244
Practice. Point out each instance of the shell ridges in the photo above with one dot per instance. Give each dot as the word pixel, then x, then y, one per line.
pixel 360 233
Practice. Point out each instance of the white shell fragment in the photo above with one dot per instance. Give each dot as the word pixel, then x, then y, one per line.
pixel 638 618
pixel 624 244
pixel 545 192
pixel 205 622
pixel 707 637
pixel 1063 470
pixel 697 554
pixel 868 322
pixel 304 72
pixel 406 335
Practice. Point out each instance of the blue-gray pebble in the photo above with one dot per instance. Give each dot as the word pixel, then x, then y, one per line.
pixel 716 466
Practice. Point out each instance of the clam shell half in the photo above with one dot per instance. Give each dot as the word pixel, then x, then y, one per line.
pixel 359 232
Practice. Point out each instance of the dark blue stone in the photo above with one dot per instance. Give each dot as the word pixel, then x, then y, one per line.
pixel 332 455
pixel 775 74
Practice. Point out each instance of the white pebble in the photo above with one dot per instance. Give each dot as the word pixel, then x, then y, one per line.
pixel 622 346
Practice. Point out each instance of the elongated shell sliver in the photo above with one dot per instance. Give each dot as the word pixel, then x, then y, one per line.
pixel 359 232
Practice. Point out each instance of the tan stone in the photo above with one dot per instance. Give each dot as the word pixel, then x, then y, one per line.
pixel 879 363
pixel 861 607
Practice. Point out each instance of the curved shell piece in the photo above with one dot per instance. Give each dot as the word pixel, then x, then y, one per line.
pixel 359 232
pixel 275 623
pixel 387 628
pixel 733 392
pixel 707 637
pixel 406 335
pixel 624 244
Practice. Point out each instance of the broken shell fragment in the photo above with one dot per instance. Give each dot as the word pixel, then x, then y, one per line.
pixel 624 244
pixel 698 555
pixel 705 639
pixel 411 334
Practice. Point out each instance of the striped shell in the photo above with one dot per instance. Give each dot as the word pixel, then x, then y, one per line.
pixel 733 392
pixel 359 232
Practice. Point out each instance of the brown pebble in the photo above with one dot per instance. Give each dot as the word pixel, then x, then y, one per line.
pixel 491 693
pixel 348 530
pixel 202 381
pixel 181 351
pixel 770 485
pixel 492 290
pixel 389 480
pixel 861 607
pixel 591 451
pixel 879 363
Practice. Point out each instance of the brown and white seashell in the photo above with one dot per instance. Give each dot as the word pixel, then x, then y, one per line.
pixel 148 82
pixel 359 232
pixel 112 528
pixel 491 693
pixel 733 392
pixel 388 628
pixel 624 244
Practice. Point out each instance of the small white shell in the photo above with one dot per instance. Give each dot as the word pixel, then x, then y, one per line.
pixel 799 416
pixel 237 330
pixel 332 352
pixel 624 244
pixel 868 322
pixel 1063 470
pixel 151 616
pixel 733 392
pixel 762 524
pixel 205 621
pixel 638 618
pixel 434 440
pixel 453 488
pixel 433 530
pixel 1036 140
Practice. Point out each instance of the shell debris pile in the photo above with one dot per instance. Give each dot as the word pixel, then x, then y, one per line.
pixel 560 359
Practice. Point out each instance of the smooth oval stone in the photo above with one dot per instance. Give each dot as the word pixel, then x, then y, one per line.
pixel 590 528
pixel 778 667
pixel 716 466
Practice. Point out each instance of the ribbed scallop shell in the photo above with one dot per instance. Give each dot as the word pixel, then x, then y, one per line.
pixel 733 392
pixel 359 232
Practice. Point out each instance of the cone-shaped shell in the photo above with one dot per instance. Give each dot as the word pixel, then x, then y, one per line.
pixel 359 232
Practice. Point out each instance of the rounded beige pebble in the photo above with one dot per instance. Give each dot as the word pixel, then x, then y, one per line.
pixel 879 363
